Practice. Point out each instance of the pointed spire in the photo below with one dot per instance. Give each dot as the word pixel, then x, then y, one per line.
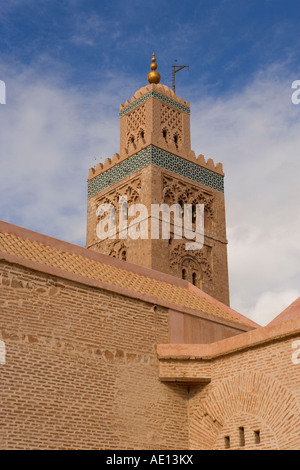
pixel 153 76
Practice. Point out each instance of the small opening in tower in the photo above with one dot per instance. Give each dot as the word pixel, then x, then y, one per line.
pixel 142 134
pixel 124 255
pixel 132 140
pixel 183 272
pixel 176 140
pixel 164 133
pixel 194 276
pixel 257 437
pixel 242 436
pixel 194 212
pixel 227 442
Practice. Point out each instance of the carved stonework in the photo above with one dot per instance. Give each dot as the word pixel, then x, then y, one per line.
pixel 171 124
pixel 175 191
pixel 117 247
pixel 113 247
pixel 191 262
pixel 136 125
pixel 131 191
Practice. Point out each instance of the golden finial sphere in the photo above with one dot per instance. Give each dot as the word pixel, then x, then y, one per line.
pixel 153 77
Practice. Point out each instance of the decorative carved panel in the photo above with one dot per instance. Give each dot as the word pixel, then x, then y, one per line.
pixel 175 191
pixel 171 124
pixel 135 124
pixel 191 261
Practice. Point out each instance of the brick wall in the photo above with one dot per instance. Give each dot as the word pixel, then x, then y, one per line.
pixel 81 368
pixel 249 397
pixel 82 372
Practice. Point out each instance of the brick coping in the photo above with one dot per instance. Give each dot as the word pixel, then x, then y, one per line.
pixel 234 344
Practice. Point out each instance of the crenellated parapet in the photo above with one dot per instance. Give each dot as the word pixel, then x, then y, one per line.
pixel 196 169
pixel 117 159
pixel 155 117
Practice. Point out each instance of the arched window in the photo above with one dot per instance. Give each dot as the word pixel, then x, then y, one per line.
pixel 124 255
pixel 191 271
pixel 165 134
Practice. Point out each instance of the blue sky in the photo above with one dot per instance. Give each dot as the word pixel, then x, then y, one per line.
pixel 68 65
pixel 223 42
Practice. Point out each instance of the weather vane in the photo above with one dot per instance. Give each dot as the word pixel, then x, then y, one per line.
pixel 176 69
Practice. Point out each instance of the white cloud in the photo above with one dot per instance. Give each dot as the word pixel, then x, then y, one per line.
pixel 49 137
pixel 270 304
pixel 255 133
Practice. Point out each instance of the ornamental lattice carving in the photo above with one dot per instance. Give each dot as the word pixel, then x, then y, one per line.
pixel 135 124
pixel 179 258
pixel 175 191
pixel 116 249
pixel 111 247
pixel 131 191
pixel 171 118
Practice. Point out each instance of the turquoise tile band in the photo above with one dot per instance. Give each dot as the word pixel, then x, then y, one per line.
pixel 151 94
pixel 155 156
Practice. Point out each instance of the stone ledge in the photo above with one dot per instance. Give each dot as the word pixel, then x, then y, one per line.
pixel 185 372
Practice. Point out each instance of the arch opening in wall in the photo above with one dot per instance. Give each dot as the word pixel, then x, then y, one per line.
pixel 232 413
pixel 131 140
pixel 176 140
pixel 165 134
pixel 194 212
pixel 193 273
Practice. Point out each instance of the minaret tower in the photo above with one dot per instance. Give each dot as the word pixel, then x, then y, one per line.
pixel 156 165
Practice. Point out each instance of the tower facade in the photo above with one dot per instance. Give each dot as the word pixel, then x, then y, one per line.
pixel 157 166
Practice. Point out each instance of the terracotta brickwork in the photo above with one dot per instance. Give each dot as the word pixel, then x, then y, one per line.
pixel 92 360
pixel 76 376
pixel 264 398
pixel 90 368
pixel 248 395
pixel 80 331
